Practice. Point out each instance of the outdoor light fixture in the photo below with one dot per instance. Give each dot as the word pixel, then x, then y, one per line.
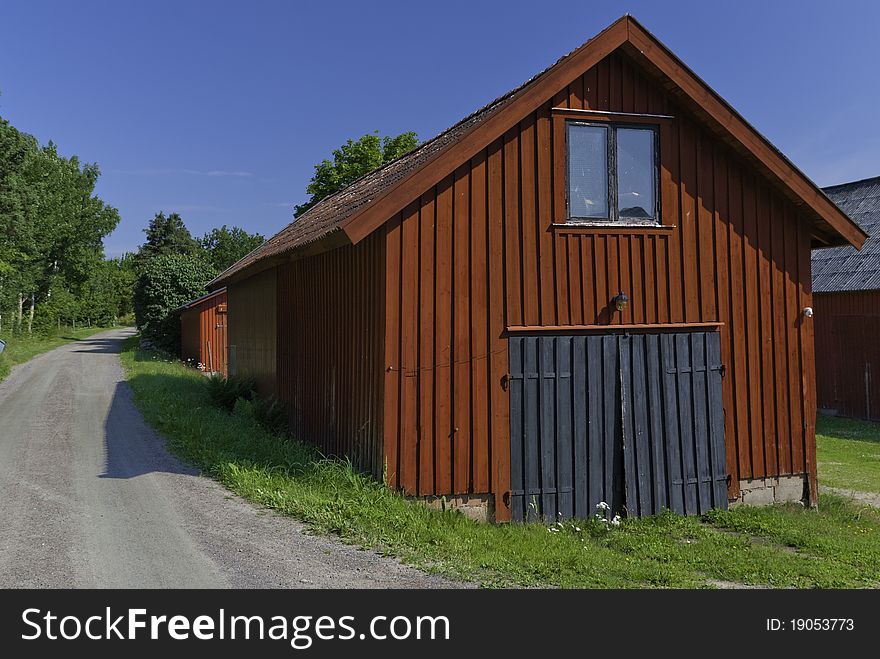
pixel 808 312
pixel 620 301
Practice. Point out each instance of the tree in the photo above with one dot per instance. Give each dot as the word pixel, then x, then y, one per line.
pixel 351 161
pixel 52 226
pixel 167 235
pixel 167 282
pixel 223 246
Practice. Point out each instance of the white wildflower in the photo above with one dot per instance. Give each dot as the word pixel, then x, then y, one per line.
pixel 615 521
pixel 602 506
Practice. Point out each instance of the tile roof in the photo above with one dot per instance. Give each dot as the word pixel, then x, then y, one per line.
pixel 844 268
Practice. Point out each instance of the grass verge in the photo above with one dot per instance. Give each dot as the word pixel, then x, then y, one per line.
pixel 783 546
pixel 848 453
pixel 19 349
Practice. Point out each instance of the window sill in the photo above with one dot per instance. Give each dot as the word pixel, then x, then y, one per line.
pixel 612 229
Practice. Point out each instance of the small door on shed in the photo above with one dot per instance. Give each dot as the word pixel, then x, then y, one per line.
pixel 636 421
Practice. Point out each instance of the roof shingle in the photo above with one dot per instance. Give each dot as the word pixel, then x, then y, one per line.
pixel 844 268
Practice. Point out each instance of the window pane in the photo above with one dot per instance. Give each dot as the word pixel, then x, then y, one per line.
pixel 587 171
pixel 635 172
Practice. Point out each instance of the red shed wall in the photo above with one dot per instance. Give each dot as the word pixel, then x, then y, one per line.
pixel 477 256
pixel 330 345
pixel 203 333
pixel 848 353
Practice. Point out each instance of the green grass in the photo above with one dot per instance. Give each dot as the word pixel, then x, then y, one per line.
pixel 848 453
pixel 19 349
pixel 784 546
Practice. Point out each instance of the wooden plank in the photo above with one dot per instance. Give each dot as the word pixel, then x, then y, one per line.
pixel 590 88
pixel 628 442
pixel 547 428
pixel 792 323
pixel 596 425
pixel 427 483
pixel 738 330
pixel 553 286
pixel 752 328
pixel 570 250
pixel 661 280
pixel 512 229
pixel 702 428
pixel 765 310
pixel 564 432
pixel 780 337
pixel 641 421
pixel 641 289
pixel 409 331
pixel 529 248
pixel 532 456
pixel 461 346
pixel 625 282
pixel 588 281
pixel 686 424
pixel 555 329
pixel 716 424
pixel 657 436
pixel 518 483
pixel 443 339
pixel 675 482
pixel 722 304
pixel 600 275
pixel 648 246
pixel 479 280
pixel 391 411
pixel 707 261
pixel 689 251
pixel 581 425
pixel 805 288
pixel 613 456
pixel 500 455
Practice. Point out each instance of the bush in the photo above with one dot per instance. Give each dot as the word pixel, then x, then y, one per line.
pixel 225 392
pixel 166 283
pixel 270 413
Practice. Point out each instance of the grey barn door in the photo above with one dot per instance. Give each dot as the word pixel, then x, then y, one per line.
pixel 636 421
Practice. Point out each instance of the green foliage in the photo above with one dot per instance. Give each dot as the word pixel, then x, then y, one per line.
pixel 167 282
pixel 167 235
pixel 226 392
pixel 352 160
pixel 780 546
pixel 223 246
pixel 51 230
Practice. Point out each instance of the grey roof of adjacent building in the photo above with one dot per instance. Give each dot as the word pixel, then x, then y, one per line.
pixel 845 268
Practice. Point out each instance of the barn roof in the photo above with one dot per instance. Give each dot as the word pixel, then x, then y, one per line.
pixel 201 298
pixel 843 268
pixel 357 210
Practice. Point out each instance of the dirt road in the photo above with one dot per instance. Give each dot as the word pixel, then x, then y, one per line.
pixel 89 497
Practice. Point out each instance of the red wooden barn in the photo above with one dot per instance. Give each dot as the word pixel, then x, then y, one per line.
pixel 203 332
pixel 592 289
pixel 846 286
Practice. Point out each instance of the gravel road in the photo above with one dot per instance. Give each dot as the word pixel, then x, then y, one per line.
pixel 90 498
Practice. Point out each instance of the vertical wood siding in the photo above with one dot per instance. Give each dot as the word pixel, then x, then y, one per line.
pixel 847 328
pixel 478 254
pixel 330 346
pixel 252 328
pixel 203 334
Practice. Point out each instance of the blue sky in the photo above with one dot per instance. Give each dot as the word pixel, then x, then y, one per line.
pixel 220 110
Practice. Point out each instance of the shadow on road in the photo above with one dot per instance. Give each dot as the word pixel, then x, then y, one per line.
pixel 105 346
pixel 132 448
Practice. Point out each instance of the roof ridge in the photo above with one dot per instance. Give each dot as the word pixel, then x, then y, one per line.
pixel 858 182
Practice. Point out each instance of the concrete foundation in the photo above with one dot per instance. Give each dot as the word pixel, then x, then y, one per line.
pixel 767 491
pixel 480 507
